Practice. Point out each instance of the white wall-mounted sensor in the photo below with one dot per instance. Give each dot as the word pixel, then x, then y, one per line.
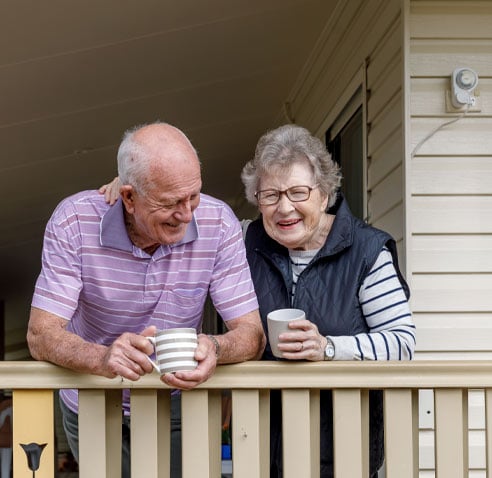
pixel 463 84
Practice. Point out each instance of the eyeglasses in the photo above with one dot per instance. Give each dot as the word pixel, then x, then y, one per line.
pixel 269 197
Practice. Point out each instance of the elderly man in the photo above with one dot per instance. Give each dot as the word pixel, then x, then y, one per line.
pixel 112 275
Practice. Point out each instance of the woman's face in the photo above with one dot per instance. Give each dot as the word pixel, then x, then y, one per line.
pixel 295 225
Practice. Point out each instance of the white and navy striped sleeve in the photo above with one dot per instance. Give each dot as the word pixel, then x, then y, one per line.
pixel 387 313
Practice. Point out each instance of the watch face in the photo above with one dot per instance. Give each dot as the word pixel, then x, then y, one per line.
pixel 329 352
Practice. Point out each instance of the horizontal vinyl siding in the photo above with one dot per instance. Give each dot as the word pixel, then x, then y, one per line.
pixel 391 223
pixel 362 36
pixel 436 58
pixel 428 96
pixel 387 121
pixel 452 293
pixel 470 175
pixel 386 159
pixel 354 32
pixel 452 254
pixel 385 137
pixel 450 213
pixel 461 331
pixel 444 19
pixel 451 173
pixel 386 195
pixel 469 136
pixel 458 214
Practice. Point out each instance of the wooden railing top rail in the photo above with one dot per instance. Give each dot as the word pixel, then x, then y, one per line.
pixel 268 375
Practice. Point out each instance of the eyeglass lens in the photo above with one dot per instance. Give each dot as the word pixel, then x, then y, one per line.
pixel 294 194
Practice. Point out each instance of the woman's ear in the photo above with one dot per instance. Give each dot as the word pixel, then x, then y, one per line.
pixel 324 202
pixel 128 197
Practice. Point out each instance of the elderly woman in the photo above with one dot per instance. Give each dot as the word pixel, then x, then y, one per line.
pixel 309 252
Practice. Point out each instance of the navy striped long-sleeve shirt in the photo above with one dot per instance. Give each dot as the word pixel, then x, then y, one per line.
pixel 385 308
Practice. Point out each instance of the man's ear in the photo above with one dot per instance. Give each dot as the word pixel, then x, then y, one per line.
pixel 128 197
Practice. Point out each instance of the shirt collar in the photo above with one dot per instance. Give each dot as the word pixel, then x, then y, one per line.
pixel 113 230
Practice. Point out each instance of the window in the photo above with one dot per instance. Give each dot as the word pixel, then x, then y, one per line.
pixel 345 144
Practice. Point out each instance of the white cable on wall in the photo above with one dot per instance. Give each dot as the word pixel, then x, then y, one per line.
pixel 435 130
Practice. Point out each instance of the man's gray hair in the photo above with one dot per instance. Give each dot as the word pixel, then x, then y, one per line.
pixel 133 161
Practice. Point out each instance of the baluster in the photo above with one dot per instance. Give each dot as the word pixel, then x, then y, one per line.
pixel 451 434
pixel 100 433
pixel 201 433
pixel 401 433
pixel 251 433
pixel 33 422
pixel 300 428
pixel 351 433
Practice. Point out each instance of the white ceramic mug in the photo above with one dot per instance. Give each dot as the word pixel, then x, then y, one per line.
pixel 278 323
pixel 174 350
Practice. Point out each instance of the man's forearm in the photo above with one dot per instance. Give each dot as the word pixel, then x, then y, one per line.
pixel 244 341
pixel 48 340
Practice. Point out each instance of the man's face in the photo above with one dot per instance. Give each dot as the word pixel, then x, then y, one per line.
pixel 161 215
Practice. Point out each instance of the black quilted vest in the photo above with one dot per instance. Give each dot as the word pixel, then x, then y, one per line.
pixel 327 291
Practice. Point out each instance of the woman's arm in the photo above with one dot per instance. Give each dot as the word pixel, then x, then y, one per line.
pixel 387 312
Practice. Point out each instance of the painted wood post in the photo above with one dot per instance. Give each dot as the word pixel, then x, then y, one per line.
pixel 33 423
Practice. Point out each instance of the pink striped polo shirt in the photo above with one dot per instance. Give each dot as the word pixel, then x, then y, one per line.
pixel 93 276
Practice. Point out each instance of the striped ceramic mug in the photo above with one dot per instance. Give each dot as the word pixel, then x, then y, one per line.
pixel 174 350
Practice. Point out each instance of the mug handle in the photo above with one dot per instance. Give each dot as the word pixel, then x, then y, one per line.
pixel 156 368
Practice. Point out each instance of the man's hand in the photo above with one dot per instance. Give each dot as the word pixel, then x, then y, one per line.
pixel 128 356
pixel 243 341
pixel 207 361
pixel 49 340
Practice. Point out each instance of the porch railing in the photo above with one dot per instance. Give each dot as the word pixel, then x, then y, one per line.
pixel 33 384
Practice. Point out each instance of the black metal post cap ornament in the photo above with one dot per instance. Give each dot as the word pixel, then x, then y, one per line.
pixel 33 452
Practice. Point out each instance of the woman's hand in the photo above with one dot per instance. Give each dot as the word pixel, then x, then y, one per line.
pixel 111 190
pixel 302 342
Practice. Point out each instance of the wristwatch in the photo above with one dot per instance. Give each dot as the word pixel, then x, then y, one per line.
pixel 329 349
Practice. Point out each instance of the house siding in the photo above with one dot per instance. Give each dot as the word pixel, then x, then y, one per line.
pixel 450 203
pixel 451 181
pixel 385 168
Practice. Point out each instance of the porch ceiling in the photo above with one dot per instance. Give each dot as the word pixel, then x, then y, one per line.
pixel 75 75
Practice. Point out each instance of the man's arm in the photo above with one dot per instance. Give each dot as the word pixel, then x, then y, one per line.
pixel 49 340
pixel 244 340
